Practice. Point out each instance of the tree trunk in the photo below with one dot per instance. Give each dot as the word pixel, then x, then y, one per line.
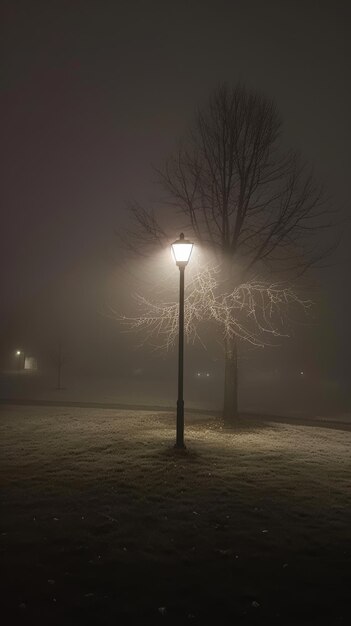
pixel 230 406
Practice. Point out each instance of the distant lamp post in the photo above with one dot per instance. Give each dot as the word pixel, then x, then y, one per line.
pixel 181 250
pixel 19 359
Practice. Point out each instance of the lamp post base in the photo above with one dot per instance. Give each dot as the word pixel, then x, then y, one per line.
pixel 179 446
pixel 180 425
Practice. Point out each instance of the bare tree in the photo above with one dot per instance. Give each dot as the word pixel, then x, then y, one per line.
pixel 256 206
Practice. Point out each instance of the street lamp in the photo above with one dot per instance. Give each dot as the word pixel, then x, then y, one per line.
pixel 181 250
pixel 19 359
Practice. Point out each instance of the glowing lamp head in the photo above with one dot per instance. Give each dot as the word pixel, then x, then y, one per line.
pixel 18 352
pixel 181 250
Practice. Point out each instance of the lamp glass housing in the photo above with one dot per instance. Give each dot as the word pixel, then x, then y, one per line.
pixel 182 249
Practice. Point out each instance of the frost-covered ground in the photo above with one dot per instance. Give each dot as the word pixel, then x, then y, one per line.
pixel 103 522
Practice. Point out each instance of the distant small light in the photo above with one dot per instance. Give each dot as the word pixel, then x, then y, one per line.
pixel 18 352
pixel 301 373
pixel 198 374
pixel 207 374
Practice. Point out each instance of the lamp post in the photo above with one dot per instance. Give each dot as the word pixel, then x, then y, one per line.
pixel 181 249
pixel 19 359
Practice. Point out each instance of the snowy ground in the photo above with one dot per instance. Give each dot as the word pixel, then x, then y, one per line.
pixel 105 523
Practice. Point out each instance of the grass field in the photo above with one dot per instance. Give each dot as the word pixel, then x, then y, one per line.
pixel 103 522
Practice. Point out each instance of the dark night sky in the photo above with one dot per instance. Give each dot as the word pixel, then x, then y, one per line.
pixel 96 92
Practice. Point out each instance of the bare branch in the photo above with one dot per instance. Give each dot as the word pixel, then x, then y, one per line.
pixel 254 311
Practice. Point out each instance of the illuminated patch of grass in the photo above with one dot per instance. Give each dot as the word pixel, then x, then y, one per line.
pixel 100 502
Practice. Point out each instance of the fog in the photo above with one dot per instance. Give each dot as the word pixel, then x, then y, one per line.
pixel 96 98
pixel 104 361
